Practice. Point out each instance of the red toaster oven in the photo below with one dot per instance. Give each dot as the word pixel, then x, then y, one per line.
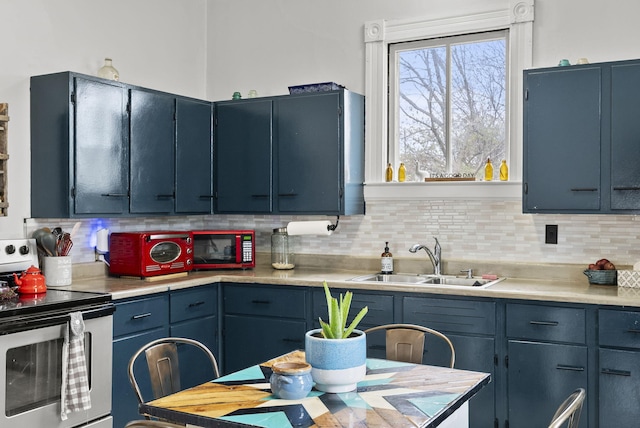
pixel 224 249
pixel 150 253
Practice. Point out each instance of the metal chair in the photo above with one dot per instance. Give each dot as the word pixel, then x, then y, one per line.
pixel 405 342
pixel 569 410
pixel 164 372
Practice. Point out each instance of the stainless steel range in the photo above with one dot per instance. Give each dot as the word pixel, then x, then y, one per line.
pixel 32 329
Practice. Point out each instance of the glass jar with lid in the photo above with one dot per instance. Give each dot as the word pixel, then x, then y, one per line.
pixel 281 250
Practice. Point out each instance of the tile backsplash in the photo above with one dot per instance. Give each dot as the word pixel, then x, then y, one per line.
pixel 467 230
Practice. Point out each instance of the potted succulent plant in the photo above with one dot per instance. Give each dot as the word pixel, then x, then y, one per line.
pixel 336 352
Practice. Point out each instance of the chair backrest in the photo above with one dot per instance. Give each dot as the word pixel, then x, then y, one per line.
pixel 405 342
pixel 569 410
pixel 163 364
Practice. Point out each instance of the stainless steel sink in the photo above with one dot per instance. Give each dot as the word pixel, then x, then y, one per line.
pixel 427 280
pixel 393 277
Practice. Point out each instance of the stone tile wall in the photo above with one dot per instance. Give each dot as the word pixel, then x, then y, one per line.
pixel 473 230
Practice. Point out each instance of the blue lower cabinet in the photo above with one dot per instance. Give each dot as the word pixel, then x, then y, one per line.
pixel 205 331
pixel 249 340
pixel 619 388
pixel 124 401
pixel 471 327
pixel 190 313
pixel 540 376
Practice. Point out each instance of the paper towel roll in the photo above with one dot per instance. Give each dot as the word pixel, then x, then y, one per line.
pixel 102 241
pixel 636 266
pixel 309 228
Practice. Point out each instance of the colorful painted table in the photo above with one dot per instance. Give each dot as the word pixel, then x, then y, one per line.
pixel 393 394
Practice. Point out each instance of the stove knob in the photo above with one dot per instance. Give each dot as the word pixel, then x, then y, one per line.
pixel 24 250
pixel 10 249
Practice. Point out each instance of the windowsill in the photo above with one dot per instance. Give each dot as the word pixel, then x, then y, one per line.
pixel 500 190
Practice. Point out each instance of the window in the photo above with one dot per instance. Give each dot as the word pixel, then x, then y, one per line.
pixel 447 103
pixel 511 27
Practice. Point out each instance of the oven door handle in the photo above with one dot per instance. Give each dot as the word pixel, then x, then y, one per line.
pixel 29 322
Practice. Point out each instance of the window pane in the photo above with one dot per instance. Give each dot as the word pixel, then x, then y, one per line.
pixel 478 85
pixel 451 111
pixel 422 109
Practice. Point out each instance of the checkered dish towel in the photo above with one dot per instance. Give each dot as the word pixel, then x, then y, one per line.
pixel 75 381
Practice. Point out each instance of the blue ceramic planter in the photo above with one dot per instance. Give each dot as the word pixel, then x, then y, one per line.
pixel 337 365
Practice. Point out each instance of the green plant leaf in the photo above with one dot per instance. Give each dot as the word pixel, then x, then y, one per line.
pixel 345 305
pixel 326 330
pixel 335 319
pixel 355 322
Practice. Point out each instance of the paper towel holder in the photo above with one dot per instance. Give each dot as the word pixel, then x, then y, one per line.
pixel 333 227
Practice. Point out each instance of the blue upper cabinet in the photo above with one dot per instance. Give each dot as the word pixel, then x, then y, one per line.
pixel 625 137
pixel 293 154
pixel 582 139
pixel 243 156
pixel 152 152
pixel 194 172
pixel 79 146
pixel 100 147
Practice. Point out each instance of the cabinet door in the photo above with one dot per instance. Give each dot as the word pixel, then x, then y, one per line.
pixel 619 389
pixel 195 367
pixel 194 179
pixel 250 340
pixel 309 154
pixel 243 156
pixel 540 377
pixel 463 322
pixel 100 145
pixel 125 402
pixel 562 129
pixel 152 152
pixel 472 353
pixel 625 144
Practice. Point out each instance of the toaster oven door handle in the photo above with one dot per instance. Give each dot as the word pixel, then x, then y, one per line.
pixel 168 236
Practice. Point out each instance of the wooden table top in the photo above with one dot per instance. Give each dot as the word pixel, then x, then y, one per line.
pixel 393 394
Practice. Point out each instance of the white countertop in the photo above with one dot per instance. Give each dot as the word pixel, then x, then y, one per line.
pixel 510 288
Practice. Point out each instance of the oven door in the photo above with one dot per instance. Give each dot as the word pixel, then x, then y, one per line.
pixel 31 363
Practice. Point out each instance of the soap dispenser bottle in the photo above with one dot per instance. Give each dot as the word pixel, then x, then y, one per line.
pixel 386 260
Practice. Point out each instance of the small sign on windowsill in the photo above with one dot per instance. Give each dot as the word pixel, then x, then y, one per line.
pixel 451 177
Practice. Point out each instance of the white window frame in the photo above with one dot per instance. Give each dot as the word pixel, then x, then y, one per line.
pixel 518 19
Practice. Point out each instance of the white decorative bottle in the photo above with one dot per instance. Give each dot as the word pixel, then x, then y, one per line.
pixel 108 71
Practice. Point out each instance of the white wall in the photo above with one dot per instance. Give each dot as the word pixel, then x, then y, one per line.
pixel 160 44
pixel 211 48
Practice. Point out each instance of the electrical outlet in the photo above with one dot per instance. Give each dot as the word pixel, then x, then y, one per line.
pixel 551 234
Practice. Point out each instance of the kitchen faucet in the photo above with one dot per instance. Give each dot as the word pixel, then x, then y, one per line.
pixel 435 256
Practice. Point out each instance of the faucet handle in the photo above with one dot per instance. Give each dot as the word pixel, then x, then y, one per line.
pixel 469 272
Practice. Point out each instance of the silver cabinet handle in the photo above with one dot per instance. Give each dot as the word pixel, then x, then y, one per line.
pixel 139 316
pixel 615 372
pixel 570 368
pixel 548 323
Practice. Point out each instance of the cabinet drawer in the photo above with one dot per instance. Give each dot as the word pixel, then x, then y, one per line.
pixel 283 302
pixel 140 314
pixel 448 315
pixel 193 303
pixel 547 323
pixel 619 328
pixel 380 307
